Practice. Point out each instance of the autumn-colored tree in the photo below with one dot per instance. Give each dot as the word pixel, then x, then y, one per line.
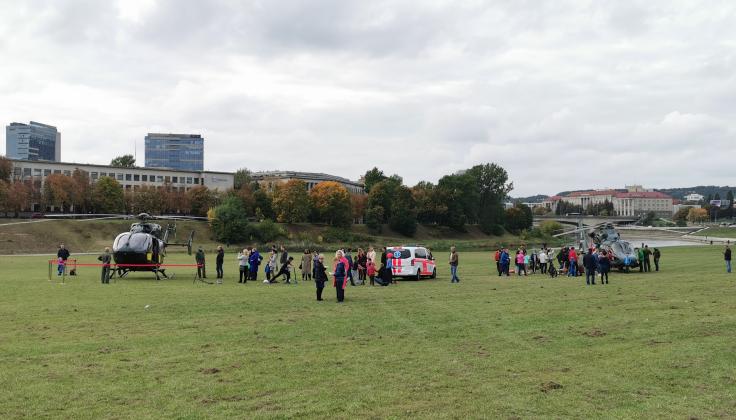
pixel 360 203
pixel 147 199
pixel 6 168
pixel 332 203
pixel 58 191
pixel 291 202
pixel 201 199
pixel 107 196
pixel 18 197
pixel 697 215
pixel 4 188
pixel 81 191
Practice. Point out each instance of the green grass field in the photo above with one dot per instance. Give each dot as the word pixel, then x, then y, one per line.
pixel 660 345
pixel 717 232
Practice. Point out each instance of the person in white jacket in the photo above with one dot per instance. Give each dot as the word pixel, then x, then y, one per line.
pixel 543 259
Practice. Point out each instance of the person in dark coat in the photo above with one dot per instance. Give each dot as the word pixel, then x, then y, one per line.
pixel 219 260
pixel 340 280
pixel 727 258
pixel 285 271
pixel 62 255
pixel 604 266
pixel 105 258
pixel 647 261
pixel 657 255
pixel 254 260
pixel 320 275
pixel 199 258
pixel 590 263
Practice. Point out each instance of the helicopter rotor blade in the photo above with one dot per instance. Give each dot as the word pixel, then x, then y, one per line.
pixel 588 228
pixel 57 218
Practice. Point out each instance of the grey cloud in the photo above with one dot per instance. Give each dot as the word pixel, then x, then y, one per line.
pixel 564 94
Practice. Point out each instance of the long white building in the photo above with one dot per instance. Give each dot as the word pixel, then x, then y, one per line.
pixel 129 178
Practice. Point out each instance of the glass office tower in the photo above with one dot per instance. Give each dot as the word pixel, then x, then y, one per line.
pixel 34 141
pixel 183 152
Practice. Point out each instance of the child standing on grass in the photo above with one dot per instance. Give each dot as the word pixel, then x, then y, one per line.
pixel 60 265
pixel 371 271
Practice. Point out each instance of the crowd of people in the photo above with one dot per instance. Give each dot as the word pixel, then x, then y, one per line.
pixel 571 262
pixel 346 267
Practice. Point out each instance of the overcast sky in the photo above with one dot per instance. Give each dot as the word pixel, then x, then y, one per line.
pixel 563 94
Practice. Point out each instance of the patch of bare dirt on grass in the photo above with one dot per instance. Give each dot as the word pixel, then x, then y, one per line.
pixel 549 386
pixel 595 332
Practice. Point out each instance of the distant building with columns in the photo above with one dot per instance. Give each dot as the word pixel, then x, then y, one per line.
pixel 633 201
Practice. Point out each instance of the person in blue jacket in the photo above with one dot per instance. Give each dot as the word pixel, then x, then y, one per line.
pixel 505 261
pixel 254 260
pixel 340 275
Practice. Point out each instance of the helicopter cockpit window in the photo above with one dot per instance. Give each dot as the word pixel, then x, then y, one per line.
pixel 140 228
pixel 131 241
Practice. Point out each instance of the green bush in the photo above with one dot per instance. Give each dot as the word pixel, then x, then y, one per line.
pixel 265 231
pixel 550 227
pixel 230 224
pixel 343 236
pixel 497 230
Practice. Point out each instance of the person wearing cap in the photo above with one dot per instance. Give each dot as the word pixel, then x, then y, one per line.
pixel 105 258
pixel 199 258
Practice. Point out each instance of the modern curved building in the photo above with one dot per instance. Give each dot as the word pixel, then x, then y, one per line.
pixel 270 179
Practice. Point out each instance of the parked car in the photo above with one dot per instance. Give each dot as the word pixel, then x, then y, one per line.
pixel 411 262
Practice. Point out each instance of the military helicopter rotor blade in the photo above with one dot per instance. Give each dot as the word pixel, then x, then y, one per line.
pixel 586 228
pixel 77 217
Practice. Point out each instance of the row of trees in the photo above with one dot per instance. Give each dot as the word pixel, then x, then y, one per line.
pixel 474 196
pixel 76 193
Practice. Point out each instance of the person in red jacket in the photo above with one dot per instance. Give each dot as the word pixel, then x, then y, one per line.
pixel 340 275
pixel 497 257
pixel 573 259
pixel 371 271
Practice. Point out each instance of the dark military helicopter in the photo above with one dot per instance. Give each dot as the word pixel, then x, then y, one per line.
pixel 622 253
pixel 606 237
pixel 144 247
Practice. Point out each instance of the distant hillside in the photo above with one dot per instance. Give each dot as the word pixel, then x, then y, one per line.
pixel 533 199
pixel 566 193
pixel 704 190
